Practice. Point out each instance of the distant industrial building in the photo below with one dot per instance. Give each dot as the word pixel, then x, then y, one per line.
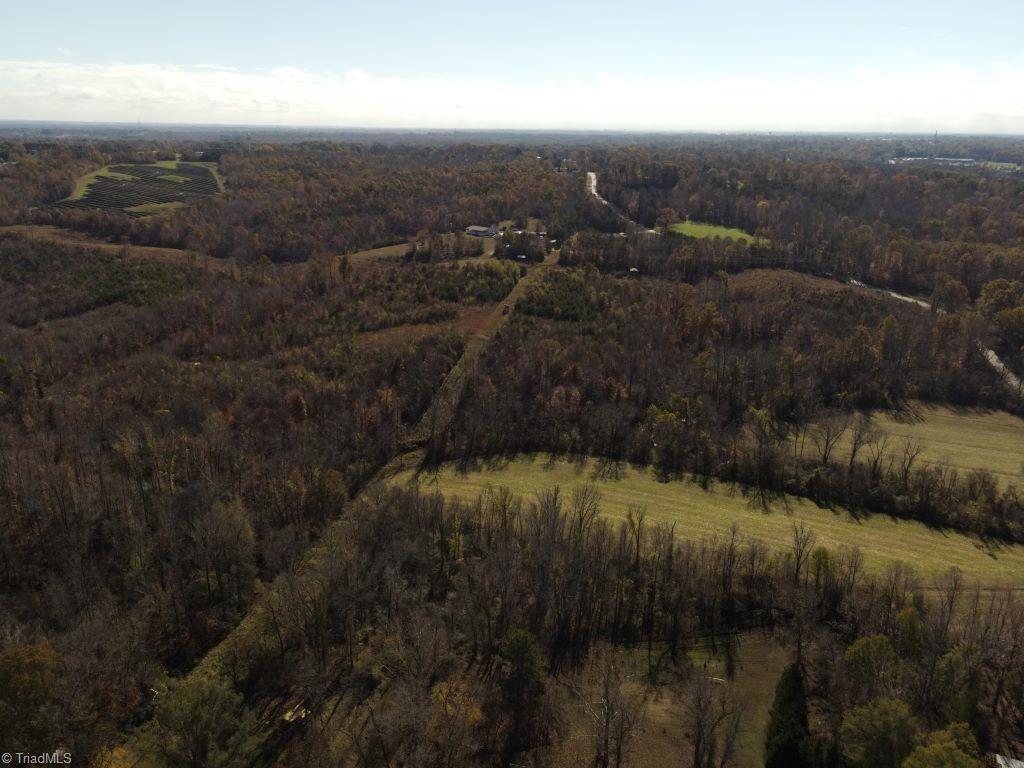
pixel 476 231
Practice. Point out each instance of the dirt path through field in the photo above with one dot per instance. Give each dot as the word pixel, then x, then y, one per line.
pixel 438 416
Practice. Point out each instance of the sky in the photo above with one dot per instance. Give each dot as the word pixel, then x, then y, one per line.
pixel 746 65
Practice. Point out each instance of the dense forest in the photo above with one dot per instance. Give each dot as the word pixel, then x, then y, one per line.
pixel 204 560
pixel 177 436
pixel 905 227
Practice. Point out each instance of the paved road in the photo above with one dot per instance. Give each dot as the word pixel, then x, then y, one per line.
pixel 1008 376
pixel 592 189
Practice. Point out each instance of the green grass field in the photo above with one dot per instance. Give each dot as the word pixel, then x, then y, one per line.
pixel 962 439
pixel 151 208
pixel 697 513
pixel 699 229
pixel 392 252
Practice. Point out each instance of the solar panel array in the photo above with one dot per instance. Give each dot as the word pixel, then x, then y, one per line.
pixel 150 185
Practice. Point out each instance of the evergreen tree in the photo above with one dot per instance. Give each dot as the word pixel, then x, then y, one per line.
pixel 785 744
pixel 523 689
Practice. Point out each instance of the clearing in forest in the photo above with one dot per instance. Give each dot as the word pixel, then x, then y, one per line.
pixel 701 230
pixel 141 189
pixel 759 663
pixel 396 254
pixel 698 513
pixel 662 741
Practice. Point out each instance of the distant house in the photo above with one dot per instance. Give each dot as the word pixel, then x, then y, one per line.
pixel 476 231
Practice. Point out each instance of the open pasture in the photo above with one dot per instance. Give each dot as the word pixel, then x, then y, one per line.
pixel 697 513
pixel 144 189
pixel 962 439
pixel 701 230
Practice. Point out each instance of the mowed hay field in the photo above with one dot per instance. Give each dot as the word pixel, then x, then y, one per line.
pixel 962 439
pixel 701 230
pixel 697 513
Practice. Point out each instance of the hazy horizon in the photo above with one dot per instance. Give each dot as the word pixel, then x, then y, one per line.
pixel 611 132
pixel 658 67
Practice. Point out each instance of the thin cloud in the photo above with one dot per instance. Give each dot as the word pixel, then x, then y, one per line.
pixel 933 96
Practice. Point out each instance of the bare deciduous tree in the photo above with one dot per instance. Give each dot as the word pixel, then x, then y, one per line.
pixel 614 702
pixel 712 718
